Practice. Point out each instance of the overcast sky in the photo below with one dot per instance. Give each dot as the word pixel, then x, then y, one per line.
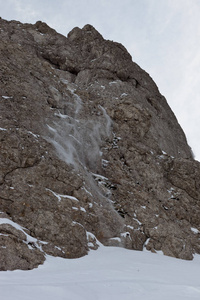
pixel 163 37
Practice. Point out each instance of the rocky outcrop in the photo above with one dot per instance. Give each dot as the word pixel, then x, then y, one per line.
pixel 89 151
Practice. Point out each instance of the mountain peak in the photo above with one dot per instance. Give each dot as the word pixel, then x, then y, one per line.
pixel 90 151
pixel 77 33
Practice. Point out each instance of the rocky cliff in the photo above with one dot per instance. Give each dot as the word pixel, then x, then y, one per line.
pixel 90 152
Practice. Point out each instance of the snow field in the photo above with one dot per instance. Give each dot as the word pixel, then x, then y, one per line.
pixel 106 274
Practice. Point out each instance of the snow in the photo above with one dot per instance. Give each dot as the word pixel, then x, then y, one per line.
pixel 75 139
pixel 128 226
pixel 59 196
pixel 7 97
pixel 124 95
pixel 86 191
pixel 52 129
pixel 33 134
pixel 18 227
pixel 83 209
pixel 195 230
pixel 99 177
pixel 113 82
pixel 143 206
pixel 105 163
pixel 116 239
pixel 74 208
pixel 61 115
pixel 106 274
pixel 29 239
pixel 136 221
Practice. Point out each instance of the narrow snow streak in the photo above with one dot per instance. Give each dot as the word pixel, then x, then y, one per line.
pixel 59 196
pixel 7 97
pixel 18 227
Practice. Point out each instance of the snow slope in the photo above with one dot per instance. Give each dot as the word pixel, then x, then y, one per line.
pixel 106 274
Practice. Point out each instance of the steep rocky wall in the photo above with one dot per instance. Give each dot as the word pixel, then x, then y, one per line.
pixel 89 151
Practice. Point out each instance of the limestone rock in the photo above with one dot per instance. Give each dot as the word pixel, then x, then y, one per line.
pixel 89 151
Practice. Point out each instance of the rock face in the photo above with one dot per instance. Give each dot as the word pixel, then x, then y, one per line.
pixel 89 151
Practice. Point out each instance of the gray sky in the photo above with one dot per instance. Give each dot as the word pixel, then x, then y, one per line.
pixel 163 37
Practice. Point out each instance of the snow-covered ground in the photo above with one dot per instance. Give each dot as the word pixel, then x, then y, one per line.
pixel 106 274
